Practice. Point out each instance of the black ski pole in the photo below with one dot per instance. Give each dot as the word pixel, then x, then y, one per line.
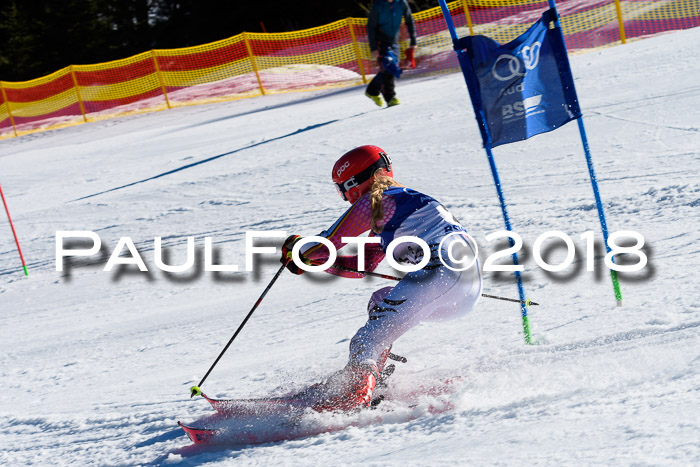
pixel 196 390
pixel 527 302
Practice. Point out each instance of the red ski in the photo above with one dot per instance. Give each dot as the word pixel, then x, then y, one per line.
pixel 234 418
pixel 198 435
pixel 272 419
pixel 252 407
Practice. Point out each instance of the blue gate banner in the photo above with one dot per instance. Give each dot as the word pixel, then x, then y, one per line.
pixel 522 88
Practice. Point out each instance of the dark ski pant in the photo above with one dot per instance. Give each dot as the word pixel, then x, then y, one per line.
pixel 383 82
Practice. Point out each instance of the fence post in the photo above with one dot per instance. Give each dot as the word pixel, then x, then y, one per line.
pixel 77 93
pixel 7 104
pixel 468 16
pixel 357 51
pixel 160 79
pixel 252 62
pixel 620 24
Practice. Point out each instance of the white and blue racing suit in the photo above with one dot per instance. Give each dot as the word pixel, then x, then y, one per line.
pixel 434 293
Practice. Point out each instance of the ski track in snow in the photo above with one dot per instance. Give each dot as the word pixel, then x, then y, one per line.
pixel 96 366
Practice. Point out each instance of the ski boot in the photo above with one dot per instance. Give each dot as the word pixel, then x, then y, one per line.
pixel 393 101
pixel 348 389
pixel 385 371
pixel 376 99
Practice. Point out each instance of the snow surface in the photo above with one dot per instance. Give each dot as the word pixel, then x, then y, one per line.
pixel 96 365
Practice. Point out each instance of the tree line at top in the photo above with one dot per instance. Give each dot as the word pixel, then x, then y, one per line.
pixel 39 37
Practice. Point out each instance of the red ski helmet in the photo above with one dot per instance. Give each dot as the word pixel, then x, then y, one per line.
pixel 353 173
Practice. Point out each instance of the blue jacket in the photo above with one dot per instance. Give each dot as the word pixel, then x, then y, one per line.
pixel 384 23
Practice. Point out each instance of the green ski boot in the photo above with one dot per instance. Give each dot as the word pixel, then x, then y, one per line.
pixel 376 99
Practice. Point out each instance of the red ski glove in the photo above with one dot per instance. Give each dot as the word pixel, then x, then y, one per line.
pixel 286 258
pixel 410 57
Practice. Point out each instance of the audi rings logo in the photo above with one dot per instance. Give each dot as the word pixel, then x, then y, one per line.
pixel 515 66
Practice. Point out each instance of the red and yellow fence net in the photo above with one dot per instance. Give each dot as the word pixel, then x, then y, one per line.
pixel 334 55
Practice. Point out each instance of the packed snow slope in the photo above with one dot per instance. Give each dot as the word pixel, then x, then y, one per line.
pixel 96 365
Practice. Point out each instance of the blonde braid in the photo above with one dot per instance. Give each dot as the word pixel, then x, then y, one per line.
pixel 379 184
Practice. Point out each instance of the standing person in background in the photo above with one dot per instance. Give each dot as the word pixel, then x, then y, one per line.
pixel 383 28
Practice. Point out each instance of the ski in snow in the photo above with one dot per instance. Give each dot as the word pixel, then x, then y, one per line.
pixel 271 419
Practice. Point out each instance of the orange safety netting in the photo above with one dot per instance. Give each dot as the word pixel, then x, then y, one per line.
pixel 334 55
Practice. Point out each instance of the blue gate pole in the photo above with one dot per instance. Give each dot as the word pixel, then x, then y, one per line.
pixel 599 206
pixel 501 197
pixel 591 172
pixel 506 219
pixel 448 20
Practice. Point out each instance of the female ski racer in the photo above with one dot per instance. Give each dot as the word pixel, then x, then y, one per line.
pixel 438 291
